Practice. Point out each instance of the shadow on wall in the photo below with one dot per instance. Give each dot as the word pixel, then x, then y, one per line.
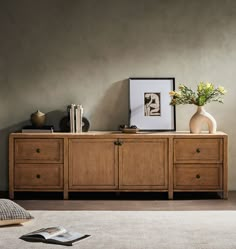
pixel 113 108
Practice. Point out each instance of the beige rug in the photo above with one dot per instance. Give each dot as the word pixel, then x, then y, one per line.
pixel 133 229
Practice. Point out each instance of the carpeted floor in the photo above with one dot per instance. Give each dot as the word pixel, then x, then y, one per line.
pixel 132 229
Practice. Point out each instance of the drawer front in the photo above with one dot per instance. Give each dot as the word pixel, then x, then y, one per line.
pixel 198 150
pixel 194 177
pixel 38 150
pixel 38 176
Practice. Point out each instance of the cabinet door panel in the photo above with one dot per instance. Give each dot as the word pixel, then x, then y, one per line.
pixel 92 164
pixel 143 164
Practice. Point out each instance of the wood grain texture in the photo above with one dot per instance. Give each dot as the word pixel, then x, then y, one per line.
pixel 66 169
pixel 93 164
pixel 114 161
pixel 35 150
pixel 170 169
pixel 225 168
pixel 38 176
pixel 198 149
pixel 11 167
pixel 198 176
pixel 143 164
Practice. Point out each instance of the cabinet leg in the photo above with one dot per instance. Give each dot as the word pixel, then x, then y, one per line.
pixel 65 195
pixel 225 195
pixel 11 195
pixel 170 195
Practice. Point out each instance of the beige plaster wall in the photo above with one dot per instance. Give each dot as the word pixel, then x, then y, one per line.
pixel 53 53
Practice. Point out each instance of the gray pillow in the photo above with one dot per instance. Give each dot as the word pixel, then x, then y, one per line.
pixel 11 213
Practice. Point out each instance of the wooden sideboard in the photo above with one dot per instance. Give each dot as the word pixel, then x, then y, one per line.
pixel 114 161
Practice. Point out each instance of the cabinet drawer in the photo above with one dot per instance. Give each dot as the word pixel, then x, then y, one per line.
pixel 198 150
pixel 38 150
pixel 38 176
pixel 197 176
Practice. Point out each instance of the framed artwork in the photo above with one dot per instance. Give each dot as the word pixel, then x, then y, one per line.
pixel 149 102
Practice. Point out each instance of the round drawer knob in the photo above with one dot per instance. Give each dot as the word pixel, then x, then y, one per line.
pixel 38 176
pixel 38 150
pixel 198 176
pixel 198 150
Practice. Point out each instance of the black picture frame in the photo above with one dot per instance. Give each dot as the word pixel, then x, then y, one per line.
pixel 149 104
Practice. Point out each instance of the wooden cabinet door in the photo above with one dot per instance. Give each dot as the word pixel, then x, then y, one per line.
pixel 93 164
pixel 143 164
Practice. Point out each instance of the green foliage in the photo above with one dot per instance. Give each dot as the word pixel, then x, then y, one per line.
pixel 206 93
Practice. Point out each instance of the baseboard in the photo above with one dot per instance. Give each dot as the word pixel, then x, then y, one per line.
pixel 4 194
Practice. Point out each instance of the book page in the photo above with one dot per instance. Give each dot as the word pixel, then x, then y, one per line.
pixel 49 232
pixel 68 236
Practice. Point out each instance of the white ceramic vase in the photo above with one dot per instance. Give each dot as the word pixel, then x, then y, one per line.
pixel 201 117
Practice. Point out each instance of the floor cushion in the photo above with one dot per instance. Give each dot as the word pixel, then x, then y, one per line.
pixel 12 213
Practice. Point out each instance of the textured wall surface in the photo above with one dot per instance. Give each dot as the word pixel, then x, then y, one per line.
pixel 53 53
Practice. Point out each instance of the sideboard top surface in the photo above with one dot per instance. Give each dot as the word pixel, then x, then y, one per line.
pixel 119 134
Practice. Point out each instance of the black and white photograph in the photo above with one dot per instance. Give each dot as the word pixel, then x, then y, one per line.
pixel 152 105
pixel 149 103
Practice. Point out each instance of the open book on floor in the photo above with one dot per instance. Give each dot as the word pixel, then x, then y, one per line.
pixel 54 235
